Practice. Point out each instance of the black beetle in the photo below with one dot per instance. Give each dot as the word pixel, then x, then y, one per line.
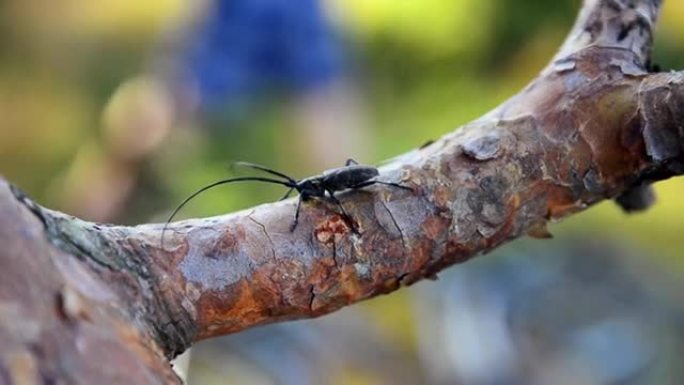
pixel 351 176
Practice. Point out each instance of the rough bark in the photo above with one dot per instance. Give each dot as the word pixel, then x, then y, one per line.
pixel 594 125
pixel 60 321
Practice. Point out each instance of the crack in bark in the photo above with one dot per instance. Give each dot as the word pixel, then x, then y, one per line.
pixel 401 232
pixel 312 293
pixel 263 228
pixel 334 252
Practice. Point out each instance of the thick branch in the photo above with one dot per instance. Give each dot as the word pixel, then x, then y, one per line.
pixel 593 125
pixel 571 139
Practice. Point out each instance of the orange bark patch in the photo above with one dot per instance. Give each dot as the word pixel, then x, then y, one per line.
pixel 331 230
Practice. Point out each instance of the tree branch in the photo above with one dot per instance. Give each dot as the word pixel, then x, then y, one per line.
pixel 594 125
pixel 622 24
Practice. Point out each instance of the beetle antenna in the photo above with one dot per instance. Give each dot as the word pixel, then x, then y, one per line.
pixel 218 183
pixel 265 169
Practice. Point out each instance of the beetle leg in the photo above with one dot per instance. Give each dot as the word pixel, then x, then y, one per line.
pixel 287 194
pixel 393 185
pixel 347 217
pixel 350 162
pixel 372 182
pixel 293 226
pixel 362 185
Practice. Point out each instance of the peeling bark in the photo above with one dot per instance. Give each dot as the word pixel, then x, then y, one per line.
pixel 594 125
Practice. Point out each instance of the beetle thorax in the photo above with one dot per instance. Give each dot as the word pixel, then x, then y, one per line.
pixel 312 186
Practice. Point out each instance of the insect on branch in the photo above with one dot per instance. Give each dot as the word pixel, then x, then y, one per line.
pixel 351 176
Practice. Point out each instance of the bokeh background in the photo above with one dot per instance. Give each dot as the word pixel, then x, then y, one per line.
pixel 115 110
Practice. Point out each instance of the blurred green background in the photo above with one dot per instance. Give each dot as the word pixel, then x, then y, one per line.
pixel 96 119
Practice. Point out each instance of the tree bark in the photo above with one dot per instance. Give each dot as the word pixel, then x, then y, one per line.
pixel 91 303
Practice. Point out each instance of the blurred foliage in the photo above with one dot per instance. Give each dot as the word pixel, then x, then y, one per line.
pixel 70 72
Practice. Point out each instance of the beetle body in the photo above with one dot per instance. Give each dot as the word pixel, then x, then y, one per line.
pixel 342 178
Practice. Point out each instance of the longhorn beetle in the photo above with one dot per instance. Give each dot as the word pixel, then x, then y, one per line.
pixel 352 176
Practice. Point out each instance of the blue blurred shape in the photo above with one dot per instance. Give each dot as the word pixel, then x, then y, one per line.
pixel 246 46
